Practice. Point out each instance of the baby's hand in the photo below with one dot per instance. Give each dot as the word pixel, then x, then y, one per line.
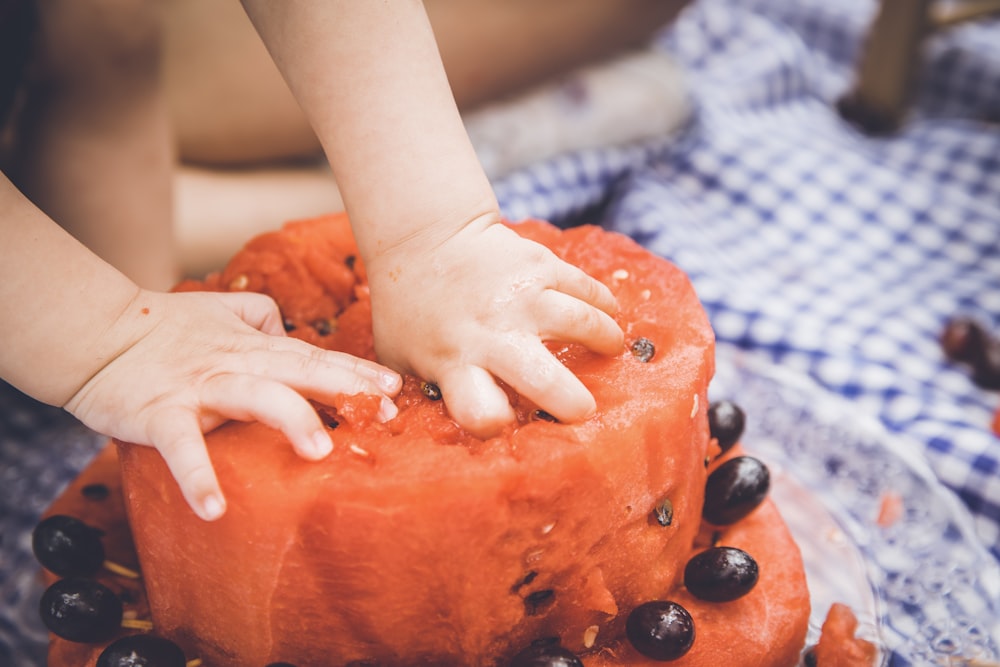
pixel 197 359
pixel 478 306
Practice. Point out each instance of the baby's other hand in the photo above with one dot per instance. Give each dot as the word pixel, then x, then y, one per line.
pixel 478 306
pixel 195 360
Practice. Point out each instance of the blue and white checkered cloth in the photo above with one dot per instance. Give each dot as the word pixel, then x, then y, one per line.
pixel 831 252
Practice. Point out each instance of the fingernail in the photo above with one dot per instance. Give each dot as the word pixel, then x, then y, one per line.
pixel 387 410
pixel 390 381
pixel 321 444
pixel 212 507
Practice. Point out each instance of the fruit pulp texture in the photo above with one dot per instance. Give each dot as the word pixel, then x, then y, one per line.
pixel 838 644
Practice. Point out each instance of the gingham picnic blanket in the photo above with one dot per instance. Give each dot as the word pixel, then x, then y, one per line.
pixel 828 251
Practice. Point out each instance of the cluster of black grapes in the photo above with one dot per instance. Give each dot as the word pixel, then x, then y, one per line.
pixel 80 608
pixel 663 629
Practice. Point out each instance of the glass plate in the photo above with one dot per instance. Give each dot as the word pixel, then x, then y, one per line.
pixel 924 588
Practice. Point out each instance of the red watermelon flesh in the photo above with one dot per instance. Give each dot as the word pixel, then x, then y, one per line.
pixel 763 629
pixel 415 543
pixel 838 646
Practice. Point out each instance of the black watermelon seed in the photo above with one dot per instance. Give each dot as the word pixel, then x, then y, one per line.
pixel 986 371
pixel 96 491
pixel 430 390
pixel 536 601
pixel 963 339
pixel 664 512
pixel 528 578
pixel 323 327
pixel 546 641
pixel 643 349
pixel 542 415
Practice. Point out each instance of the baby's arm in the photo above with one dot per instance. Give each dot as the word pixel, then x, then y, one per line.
pixel 157 369
pixel 457 297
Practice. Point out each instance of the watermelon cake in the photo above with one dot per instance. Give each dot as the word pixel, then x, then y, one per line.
pixel 639 536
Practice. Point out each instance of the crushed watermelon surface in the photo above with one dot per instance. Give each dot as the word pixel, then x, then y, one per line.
pixel 416 543
pixel 838 645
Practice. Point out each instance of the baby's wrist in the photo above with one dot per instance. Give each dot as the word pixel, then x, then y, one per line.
pixel 418 240
pixel 130 315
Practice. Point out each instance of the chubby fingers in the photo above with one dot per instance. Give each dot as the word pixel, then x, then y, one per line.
pixel 176 434
pixel 563 317
pixel 475 400
pixel 271 385
pixel 258 310
pixel 575 282
pixel 253 398
pixel 575 309
pixel 531 369
pixel 322 374
pixel 579 309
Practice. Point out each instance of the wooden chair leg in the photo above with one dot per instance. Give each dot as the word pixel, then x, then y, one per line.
pixel 890 61
pixel 888 66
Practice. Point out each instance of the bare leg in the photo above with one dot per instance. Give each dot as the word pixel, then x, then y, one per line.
pixel 231 106
pixel 238 126
pixel 229 103
pixel 94 147
pixel 493 48
pixel 220 209
pixel 120 93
